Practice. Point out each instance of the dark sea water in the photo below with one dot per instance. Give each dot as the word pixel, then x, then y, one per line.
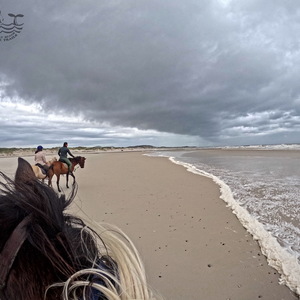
pixel 262 187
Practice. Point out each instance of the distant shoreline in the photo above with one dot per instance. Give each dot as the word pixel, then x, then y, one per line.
pixel 15 152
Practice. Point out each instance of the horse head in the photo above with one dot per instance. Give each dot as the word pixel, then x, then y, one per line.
pixel 80 160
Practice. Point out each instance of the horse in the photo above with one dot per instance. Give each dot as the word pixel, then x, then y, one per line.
pixel 38 172
pixel 48 253
pixel 58 168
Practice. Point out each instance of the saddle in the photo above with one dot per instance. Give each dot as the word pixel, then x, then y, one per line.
pixel 44 171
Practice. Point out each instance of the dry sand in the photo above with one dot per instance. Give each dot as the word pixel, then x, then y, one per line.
pixel 192 245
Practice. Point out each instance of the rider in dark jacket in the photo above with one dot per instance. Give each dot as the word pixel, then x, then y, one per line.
pixel 63 155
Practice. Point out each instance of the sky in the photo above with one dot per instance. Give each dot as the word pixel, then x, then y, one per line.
pixel 150 72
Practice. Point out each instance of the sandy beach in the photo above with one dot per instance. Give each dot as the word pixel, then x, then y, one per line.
pixel 192 245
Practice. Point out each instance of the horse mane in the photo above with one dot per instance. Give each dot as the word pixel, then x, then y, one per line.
pixel 76 158
pixel 62 257
pixel 79 160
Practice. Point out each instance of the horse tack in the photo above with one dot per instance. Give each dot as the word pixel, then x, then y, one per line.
pixel 75 168
pixel 10 251
pixel 41 168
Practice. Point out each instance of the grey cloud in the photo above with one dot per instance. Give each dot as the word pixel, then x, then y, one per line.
pixel 183 67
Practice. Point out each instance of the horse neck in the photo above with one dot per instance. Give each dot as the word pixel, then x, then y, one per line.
pixel 74 163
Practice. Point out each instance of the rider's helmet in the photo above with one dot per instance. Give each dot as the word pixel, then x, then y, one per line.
pixel 40 148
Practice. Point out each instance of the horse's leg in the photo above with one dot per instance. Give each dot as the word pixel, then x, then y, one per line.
pixel 67 180
pixel 50 176
pixel 57 182
pixel 72 174
pixel 50 180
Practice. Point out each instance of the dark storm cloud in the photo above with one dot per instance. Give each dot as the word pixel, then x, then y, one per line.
pixel 226 71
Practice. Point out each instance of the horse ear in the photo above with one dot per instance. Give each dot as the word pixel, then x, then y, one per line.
pixel 24 173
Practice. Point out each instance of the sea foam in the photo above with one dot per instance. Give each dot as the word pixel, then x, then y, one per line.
pixel 278 257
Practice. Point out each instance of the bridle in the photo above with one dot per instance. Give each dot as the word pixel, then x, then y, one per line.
pixel 10 252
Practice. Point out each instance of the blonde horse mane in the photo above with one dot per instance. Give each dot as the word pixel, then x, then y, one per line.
pixel 130 282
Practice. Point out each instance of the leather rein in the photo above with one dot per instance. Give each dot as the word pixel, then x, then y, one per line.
pixel 10 252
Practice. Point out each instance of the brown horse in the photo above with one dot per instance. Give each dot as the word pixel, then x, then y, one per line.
pixel 59 168
pixel 38 172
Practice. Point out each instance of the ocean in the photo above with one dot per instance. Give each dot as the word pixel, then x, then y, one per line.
pixel 262 187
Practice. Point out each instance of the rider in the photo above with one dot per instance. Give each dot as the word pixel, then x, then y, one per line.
pixel 40 159
pixel 63 155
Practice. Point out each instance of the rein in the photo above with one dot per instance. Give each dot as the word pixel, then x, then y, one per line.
pixel 10 252
pixel 76 167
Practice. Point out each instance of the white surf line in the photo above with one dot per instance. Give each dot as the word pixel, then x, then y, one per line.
pixel 279 258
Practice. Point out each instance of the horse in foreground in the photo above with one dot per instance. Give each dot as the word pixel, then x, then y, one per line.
pixel 59 168
pixel 38 171
pixel 48 254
